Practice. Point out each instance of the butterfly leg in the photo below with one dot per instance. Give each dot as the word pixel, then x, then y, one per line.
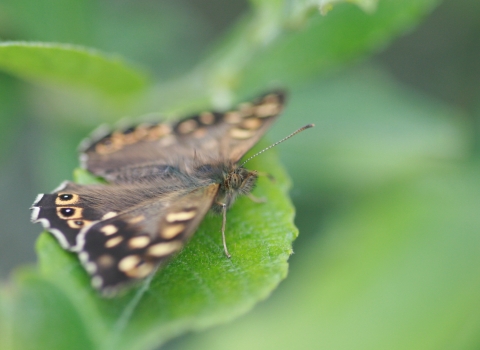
pixel 224 223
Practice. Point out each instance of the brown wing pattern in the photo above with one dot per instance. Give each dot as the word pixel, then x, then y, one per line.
pixel 153 149
pixel 71 207
pixel 130 245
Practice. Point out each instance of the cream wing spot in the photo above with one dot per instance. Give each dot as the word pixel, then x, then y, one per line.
pixel 187 126
pixel 232 117
pixel 136 219
pixel 141 131
pixel 271 98
pixel 267 110
pixel 241 134
pixel 108 145
pixel 180 216
pixel 129 136
pixel 199 133
pixel 129 262
pixel 167 141
pixel 138 242
pixel 163 249
pixel 251 123
pixel 105 261
pixel 109 215
pixel 109 230
pixel 207 118
pixel 112 242
pixel 158 131
pixel 171 231
pixel 140 271
pixel 246 109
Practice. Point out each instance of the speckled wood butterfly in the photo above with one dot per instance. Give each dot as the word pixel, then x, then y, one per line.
pixel 164 178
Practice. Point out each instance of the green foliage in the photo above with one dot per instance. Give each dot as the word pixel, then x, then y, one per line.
pixel 72 65
pixel 385 187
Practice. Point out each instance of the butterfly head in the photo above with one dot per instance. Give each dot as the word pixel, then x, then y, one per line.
pixel 233 179
pixel 240 180
pixel 237 181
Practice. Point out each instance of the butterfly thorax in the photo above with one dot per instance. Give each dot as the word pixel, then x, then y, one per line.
pixel 233 179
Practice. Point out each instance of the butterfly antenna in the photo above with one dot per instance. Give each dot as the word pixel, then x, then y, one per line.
pixel 278 142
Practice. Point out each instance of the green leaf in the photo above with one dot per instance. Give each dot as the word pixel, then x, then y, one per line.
pixel 368 6
pixel 42 317
pixel 325 43
pixel 51 20
pixel 369 130
pixel 397 270
pixel 286 44
pixel 199 288
pixel 70 65
pixel 11 118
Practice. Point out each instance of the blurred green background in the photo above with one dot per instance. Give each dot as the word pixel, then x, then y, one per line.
pixel 386 187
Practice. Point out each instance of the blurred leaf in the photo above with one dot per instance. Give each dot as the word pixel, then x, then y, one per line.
pixel 325 43
pixel 278 45
pixel 56 152
pixel 168 37
pixel 51 20
pixel 398 270
pixel 84 177
pixel 369 130
pixel 11 118
pixel 199 288
pixel 70 65
pixel 327 5
pixel 41 317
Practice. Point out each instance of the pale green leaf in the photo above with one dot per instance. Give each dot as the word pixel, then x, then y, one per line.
pixel 70 65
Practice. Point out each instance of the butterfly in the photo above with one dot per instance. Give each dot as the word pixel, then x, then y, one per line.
pixel 163 179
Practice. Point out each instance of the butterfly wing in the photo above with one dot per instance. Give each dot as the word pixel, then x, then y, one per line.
pixel 67 210
pixel 71 207
pixel 130 246
pixel 151 149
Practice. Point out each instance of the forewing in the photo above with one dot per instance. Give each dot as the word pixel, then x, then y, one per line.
pixel 160 149
pixel 131 245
